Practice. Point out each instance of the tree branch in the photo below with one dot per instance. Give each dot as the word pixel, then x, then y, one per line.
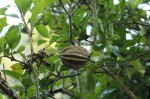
pixel 6 89
pixel 14 59
pixel 124 88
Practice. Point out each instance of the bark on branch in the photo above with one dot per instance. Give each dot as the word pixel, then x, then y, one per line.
pixel 124 88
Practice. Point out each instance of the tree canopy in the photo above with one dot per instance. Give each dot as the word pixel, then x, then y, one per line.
pixel 116 35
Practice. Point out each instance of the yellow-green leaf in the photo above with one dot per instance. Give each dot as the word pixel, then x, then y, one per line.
pixel 17 67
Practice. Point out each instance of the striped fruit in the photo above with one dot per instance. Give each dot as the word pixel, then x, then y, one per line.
pixel 74 56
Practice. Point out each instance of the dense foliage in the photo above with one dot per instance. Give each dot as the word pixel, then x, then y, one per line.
pixel 119 43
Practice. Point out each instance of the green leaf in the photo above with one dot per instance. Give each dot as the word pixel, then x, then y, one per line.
pixel 120 58
pixel 6 51
pixel 54 38
pixel 76 93
pixel 13 37
pixel 114 49
pixel 64 38
pixel 2 23
pixel 91 81
pixel 79 15
pixel 2 43
pixel 13 15
pixel 64 25
pixel 52 23
pixel 115 37
pixel 89 96
pixel 101 27
pixel 141 12
pixel 23 5
pixel 147 81
pixel 41 42
pixel 2 11
pixel 128 71
pixel 64 68
pixel 142 31
pixel 17 67
pixel 111 29
pixel 133 4
pixel 23 55
pixel 138 66
pixel 53 58
pixel 42 30
pixel 1 96
pixel 39 6
pixel 12 74
pixel 20 49
pixel 98 48
pixel 27 82
pixel 31 91
pixel 43 68
pixel 0 60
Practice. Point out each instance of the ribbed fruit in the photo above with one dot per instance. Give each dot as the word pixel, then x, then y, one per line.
pixel 74 56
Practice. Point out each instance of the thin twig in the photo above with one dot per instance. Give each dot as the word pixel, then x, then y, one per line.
pixel 95 21
pixel 63 77
pixel 32 52
pixel 50 92
pixel 70 23
pixel 64 8
pixel 29 33
pixel 64 91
